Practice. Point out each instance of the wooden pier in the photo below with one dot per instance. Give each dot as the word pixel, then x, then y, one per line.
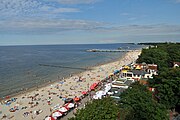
pixel 108 50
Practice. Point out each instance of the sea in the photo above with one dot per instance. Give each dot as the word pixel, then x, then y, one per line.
pixel 21 66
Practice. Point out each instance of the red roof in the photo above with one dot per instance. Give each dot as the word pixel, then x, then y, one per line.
pixel 178 63
pixel 152 66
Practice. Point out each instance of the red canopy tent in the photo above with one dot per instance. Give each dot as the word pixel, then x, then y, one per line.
pixel 63 109
pixel 84 92
pixel 69 105
pixel 57 114
pixel 93 86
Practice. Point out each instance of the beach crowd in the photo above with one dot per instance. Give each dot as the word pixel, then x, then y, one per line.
pixel 58 99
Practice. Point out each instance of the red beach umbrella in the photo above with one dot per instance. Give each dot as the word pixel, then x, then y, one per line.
pixel 7 97
pixel 63 109
pixel 66 107
pixel 76 99
pixel 69 105
pixel 93 86
pixel 57 114
pixel 84 92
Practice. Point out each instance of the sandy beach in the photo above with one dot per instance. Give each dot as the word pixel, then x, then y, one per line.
pixel 46 98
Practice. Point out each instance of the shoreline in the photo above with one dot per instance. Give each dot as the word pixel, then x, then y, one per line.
pixel 54 90
pixel 34 88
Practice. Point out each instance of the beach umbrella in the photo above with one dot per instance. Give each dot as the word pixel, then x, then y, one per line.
pixel 138 67
pixel 124 71
pixel 12 110
pixel 84 92
pixel 95 97
pixel 7 97
pixel 63 109
pixel 92 87
pixel 102 92
pixel 66 107
pixel 111 74
pixel 61 82
pixel 110 93
pixel 76 99
pixel 127 67
pixel 95 84
pixel 50 118
pixel 57 114
pixel 68 100
pixel 69 105
pixel 8 103
pixel 64 99
pixel 116 71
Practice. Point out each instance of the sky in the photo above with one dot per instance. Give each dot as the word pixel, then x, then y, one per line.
pixel 34 22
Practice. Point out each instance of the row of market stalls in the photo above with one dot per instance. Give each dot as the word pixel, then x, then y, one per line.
pixel 70 104
pixel 114 85
pixel 60 111
pixel 111 88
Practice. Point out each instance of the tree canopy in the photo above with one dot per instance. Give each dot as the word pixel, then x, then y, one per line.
pixel 140 105
pixel 154 55
pixel 103 109
pixel 167 85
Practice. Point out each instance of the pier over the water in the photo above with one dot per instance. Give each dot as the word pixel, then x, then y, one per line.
pixel 108 50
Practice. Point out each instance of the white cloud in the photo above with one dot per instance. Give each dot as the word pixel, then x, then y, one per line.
pixel 65 10
pixel 76 1
pixel 51 26
pixel 178 1
pixel 132 18
pixel 14 7
pixel 175 1
pixel 125 14
pixel 24 8
pixel 157 29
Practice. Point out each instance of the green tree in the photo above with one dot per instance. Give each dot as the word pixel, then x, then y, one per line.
pixel 139 103
pixel 103 109
pixel 168 92
pixel 167 85
pixel 173 51
pixel 154 55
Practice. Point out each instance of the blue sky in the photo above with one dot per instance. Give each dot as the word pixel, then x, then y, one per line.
pixel 30 22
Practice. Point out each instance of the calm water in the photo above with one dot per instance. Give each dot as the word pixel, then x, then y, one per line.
pixel 19 65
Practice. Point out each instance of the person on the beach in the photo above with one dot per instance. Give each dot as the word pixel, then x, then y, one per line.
pixel 75 111
pixel 49 103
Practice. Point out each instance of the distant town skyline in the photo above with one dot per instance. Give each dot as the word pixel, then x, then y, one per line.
pixel 34 22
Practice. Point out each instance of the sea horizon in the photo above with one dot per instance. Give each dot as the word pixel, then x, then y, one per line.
pixel 20 64
pixel 66 44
